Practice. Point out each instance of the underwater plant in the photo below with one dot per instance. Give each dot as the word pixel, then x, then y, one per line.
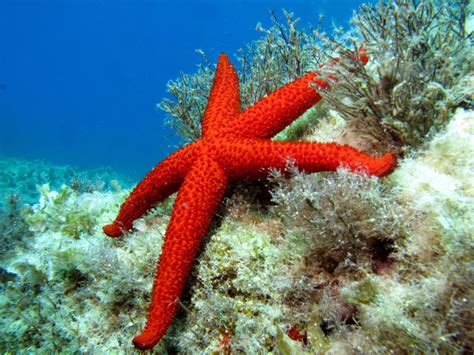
pixel 422 69
pixel 13 229
pixel 65 277
pixel 282 55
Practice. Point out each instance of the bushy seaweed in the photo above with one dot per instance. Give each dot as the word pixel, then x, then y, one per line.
pixel 282 55
pixel 353 220
pixel 420 71
pixel 13 229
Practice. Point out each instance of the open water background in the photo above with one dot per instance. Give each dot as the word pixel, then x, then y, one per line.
pixel 80 79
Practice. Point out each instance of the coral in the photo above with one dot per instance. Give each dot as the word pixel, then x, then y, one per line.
pixel 235 146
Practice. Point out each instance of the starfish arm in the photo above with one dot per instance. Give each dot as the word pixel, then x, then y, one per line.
pixel 196 203
pixel 252 159
pixel 276 111
pixel 224 99
pixel 163 180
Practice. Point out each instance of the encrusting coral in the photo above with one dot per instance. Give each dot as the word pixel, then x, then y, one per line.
pixel 235 146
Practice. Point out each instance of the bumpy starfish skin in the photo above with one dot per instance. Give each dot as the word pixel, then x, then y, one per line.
pixel 235 145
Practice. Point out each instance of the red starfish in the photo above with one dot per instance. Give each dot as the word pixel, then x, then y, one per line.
pixel 235 145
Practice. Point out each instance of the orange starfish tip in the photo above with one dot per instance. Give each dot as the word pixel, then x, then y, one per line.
pixel 113 230
pixel 141 342
pixel 359 163
pixel 387 164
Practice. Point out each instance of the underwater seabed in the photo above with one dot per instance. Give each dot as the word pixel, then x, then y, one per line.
pixel 67 287
pixel 20 177
pixel 336 263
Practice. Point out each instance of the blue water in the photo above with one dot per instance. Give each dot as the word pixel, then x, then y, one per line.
pixel 79 79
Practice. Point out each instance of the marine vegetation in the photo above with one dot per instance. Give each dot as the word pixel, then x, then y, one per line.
pixel 421 54
pixel 333 262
